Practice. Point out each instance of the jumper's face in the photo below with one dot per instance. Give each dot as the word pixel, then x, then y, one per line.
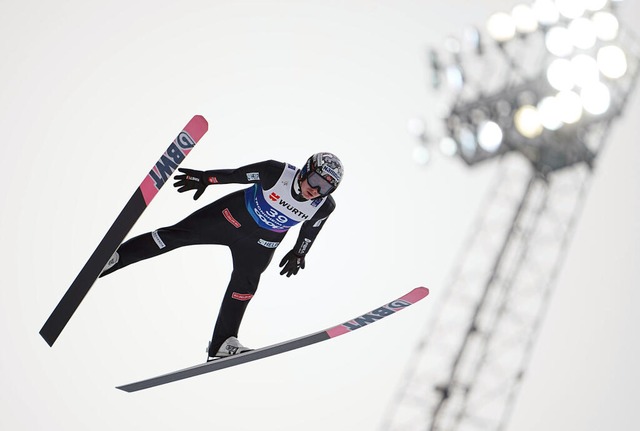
pixel 308 192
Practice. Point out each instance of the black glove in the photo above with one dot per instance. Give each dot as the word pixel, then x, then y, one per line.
pixel 191 180
pixel 292 263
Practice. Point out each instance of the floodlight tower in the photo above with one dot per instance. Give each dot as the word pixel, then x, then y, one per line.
pixel 540 95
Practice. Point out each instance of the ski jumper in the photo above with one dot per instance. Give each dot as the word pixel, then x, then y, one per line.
pixel 251 222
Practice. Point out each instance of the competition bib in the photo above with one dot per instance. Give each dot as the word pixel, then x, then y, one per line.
pixel 276 209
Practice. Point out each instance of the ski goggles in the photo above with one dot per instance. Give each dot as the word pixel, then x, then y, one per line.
pixel 318 182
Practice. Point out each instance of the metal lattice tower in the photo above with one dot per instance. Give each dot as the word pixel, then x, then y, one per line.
pixel 466 371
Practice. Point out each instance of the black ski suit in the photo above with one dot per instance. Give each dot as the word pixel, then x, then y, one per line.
pixel 251 222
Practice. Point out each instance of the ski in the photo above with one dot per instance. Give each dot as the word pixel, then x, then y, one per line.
pixel 153 181
pixel 218 364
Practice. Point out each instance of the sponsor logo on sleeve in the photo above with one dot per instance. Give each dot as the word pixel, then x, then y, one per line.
pixel 241 296
pixel 319 222
pixel 268 244
pixel 304 246
pixel 253 176
pixel 227 214
pixel 157 239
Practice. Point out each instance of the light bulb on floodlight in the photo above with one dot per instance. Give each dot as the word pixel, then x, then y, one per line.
pixel 559 74
pixel 489 136
pixel 570 106
pixel 570 9
pixel 612 61
pixel 501 27
pixel 584 70
pixel 421 155
pixel 606 25
pixel 454 77
pixel 546 12
pixel 471 39
pixel 468 144
pixel 527 121
pixel 583 33
pixel 448 146
pixel 596 98
pixel 558 41
pixel 549 111
pixel 524 18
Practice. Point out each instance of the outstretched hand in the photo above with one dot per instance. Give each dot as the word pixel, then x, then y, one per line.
pixel 291 263
pixel 191 179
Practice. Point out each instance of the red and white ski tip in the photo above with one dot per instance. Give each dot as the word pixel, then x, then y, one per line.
pixel 175 154
pixel 399 304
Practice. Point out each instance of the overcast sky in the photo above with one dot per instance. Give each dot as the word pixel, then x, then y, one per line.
pixel 92 92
